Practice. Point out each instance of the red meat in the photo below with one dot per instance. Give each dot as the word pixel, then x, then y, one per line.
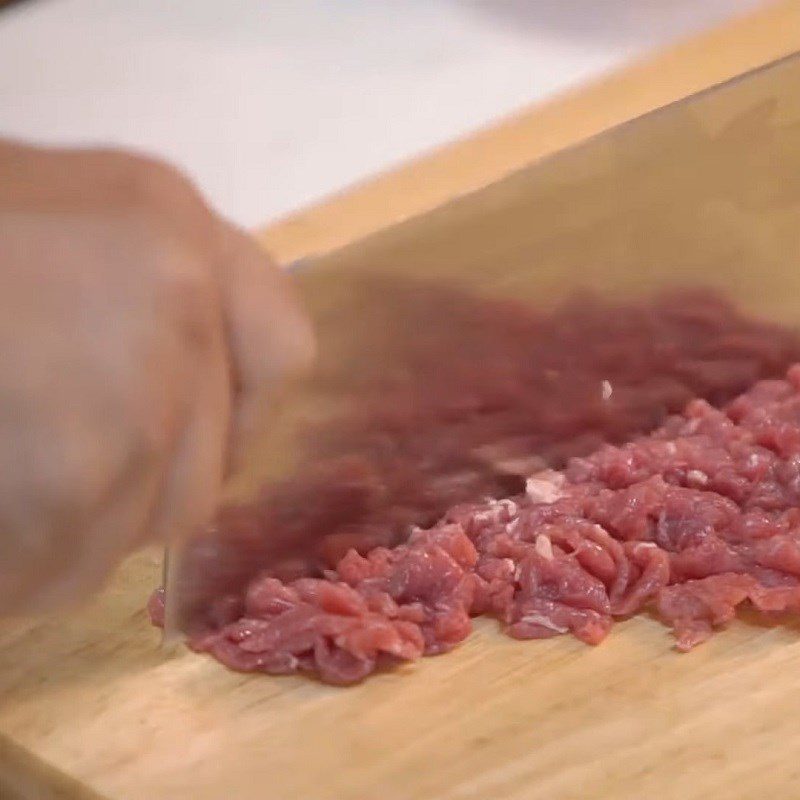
pixel 693 519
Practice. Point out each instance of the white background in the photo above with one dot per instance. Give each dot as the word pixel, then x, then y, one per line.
pixel 271 104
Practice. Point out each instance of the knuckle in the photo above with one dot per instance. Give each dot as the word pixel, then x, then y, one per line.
pixel 150 177
pixel 149 189
pixel 145 182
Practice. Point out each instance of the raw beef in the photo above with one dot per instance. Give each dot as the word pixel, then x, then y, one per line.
pixel 693 519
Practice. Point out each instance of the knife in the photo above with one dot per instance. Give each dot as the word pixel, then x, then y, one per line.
pixel 678 197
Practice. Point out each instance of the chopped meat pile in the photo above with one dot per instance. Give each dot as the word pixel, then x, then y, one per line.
pixel 692 520
pixel 484 392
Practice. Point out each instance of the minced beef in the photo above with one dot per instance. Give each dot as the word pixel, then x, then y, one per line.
pixel 692 519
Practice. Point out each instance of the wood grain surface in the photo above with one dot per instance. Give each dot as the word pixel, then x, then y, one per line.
pixel 705 192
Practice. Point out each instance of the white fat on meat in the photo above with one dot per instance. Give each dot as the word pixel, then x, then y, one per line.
pixel 497 511
pixel 509 506
pixel 545 486
pixel 512 526
pixel 544 622
pixel 544 547
pixel 697 477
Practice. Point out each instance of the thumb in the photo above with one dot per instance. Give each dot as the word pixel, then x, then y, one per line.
pixel 270 338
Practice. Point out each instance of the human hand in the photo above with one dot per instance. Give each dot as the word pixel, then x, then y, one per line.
pixel 139 332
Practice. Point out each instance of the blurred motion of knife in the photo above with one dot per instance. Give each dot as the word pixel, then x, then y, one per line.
pixel 652 188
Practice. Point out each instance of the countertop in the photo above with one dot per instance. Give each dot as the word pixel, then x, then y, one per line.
pixel 271 106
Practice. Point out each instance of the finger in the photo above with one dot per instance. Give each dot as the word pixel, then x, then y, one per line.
pixel 67 544
pixel 95 547
pixel 269 336
pixel 193 482
pixel 68 488
pixel 269 333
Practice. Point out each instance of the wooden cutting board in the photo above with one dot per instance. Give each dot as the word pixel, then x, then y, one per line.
pixel 495 719
pixel 91 708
